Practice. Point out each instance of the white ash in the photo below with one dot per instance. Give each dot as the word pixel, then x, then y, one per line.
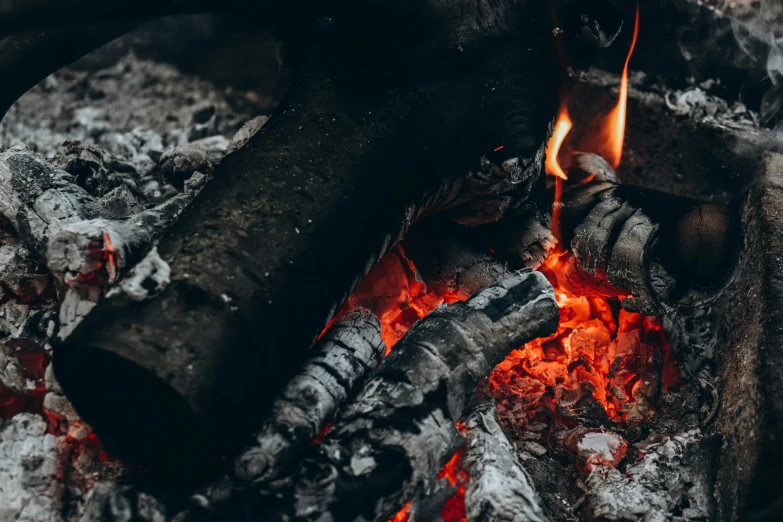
pixel 77 303
pixel 652 489
pixel 133 109
pixel 147 279
pixel 30 471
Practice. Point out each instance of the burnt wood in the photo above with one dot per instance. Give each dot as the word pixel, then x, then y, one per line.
pixel 383 124
pixel 668 252
pixel 347 353
pixel 394 438
pixel 499 489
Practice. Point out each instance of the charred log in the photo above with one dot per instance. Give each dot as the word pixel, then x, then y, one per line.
pixel 393 439
pixel 78 251
pixel 248 254
pixel 668 252
pixel 28 58
pixel 499 488
pixel 347 353
pixel 40 199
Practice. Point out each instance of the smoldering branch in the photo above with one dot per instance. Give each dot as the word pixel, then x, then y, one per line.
pixel 666 251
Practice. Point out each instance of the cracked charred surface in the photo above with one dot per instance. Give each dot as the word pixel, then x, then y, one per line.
pixel 392 440
pixel 353 157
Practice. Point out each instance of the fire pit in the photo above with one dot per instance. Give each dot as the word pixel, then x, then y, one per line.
pixel 421 288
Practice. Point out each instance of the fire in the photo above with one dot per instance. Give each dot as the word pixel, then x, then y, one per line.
pixel 454 508
pixel 615 127
pixel 562 128
pixel 393 292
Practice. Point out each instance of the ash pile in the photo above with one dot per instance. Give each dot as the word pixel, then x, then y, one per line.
pixel 100 159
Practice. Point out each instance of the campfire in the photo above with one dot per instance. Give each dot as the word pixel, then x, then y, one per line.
pixel 464 274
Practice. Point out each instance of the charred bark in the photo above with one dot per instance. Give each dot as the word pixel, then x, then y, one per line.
pixel 351 160
pixel 347 353
pixel 40 199
pixel 80 251
pixel 668 252
pixel 499 488
pixel 393 439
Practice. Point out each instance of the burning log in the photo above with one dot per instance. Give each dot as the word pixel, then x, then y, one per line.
pixel 393 439
pixel 347 353
pixel 248 254
pixel 668 252
pixel 499 488
pixel 78 251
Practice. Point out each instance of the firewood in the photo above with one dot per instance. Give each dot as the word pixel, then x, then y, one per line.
pixel 38 198
pixel 294 219
pixel 499 489
pixel 346 354
pixel 668 252
pixel 392 440
pixel 78 251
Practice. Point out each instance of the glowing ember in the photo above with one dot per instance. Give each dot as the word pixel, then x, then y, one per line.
pixel 615 128
pixel 454 508
pixel 402 515
pixel 603 363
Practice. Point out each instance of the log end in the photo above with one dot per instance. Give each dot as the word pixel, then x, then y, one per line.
pixel 157 428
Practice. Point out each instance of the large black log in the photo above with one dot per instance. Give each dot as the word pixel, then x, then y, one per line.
pixel 384 123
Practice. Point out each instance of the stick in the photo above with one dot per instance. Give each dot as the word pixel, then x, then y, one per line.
pixel 667 251
pixel 79 251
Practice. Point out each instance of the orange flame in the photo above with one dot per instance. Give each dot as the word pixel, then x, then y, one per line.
pixel 615 129
pixel 562 128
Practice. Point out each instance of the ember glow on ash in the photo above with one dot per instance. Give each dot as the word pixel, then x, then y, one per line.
pixel 604 367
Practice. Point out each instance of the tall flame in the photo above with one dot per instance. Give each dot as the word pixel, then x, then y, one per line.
pixel 562 128
pixel 615 129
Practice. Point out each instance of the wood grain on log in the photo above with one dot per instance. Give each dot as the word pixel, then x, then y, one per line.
pixel 392 440
pixel 353 157
pixel 346 354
